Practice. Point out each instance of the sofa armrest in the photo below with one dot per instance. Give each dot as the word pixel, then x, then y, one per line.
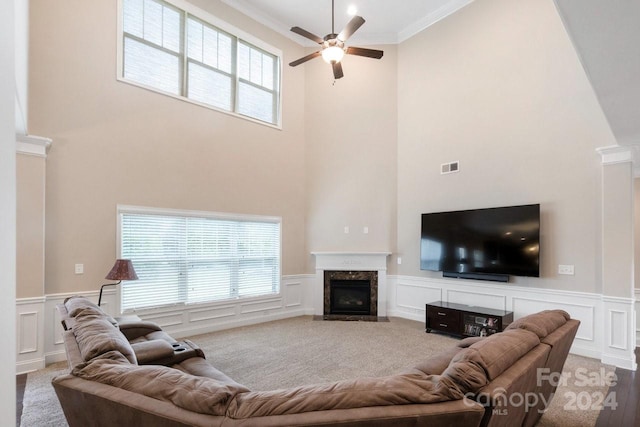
pixel 137 328
pixel 148 352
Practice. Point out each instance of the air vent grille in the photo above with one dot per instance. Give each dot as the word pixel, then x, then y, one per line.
pixel 450 167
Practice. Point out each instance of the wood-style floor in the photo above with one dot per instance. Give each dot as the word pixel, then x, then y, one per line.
pixel 626 414
pixel 627 389
pixel 21 383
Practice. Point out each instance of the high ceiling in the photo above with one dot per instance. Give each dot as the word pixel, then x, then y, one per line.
pixel 388 22
pixel 603 33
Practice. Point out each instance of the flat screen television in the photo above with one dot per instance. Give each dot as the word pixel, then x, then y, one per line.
pixel 484 244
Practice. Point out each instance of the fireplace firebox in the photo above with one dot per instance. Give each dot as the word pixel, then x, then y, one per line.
pixel 350 295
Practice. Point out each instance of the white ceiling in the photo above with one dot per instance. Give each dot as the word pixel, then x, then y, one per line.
pixel 387 21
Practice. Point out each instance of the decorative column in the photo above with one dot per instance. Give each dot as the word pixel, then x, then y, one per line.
pixel 618 296
pixel 31 155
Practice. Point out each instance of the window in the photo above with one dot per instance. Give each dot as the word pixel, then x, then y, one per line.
pixel 197 257
pixel 181 53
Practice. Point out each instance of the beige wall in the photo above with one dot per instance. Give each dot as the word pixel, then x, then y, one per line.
pixel 351 138
pixel 499 88
pixel 30 178
pixel 119 144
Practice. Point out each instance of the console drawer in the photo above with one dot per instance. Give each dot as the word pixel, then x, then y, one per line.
pixel 443 314
pixel 443 319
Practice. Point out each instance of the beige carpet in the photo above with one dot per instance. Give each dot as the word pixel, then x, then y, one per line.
pixel 301 351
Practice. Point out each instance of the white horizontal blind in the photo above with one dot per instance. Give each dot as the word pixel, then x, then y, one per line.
pixel 173 51
pixel 191 259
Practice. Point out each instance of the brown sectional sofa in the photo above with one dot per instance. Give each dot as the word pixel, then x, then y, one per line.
pixel 134 374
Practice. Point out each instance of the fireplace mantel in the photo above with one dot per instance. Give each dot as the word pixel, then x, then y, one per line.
pixel 350 261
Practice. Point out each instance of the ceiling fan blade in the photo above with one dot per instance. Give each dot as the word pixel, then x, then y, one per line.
pixel 307 34
pixel 305 59
pixel 337 70
pixel 353 25
pixel 361 51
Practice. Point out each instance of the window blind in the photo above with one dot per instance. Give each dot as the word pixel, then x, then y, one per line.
pixel 176 52
pixel 185 259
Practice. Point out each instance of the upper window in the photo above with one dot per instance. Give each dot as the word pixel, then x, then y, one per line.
pixel 181 53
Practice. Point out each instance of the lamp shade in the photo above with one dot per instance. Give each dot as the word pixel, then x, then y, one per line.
pixel 122 270
pixel 332 54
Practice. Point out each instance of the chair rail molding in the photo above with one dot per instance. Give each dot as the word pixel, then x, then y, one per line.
pixel 33 145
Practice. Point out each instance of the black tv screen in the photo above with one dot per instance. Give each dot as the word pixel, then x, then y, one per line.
pixel 481 243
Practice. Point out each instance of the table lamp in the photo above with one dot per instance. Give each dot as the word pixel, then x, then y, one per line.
pixel 121 270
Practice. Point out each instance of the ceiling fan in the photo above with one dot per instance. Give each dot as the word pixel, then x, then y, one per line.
pixel 332 44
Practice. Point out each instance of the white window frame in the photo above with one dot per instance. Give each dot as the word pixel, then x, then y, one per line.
pixel 235 32
pixel 128 209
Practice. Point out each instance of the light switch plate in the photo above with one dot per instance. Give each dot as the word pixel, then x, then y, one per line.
pixel 566 269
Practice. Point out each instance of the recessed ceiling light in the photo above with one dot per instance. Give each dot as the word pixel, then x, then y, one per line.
pixel 352 10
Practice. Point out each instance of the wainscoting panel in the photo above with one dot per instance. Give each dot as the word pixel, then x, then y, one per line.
pixel 30 327
pixel 169 319
pixel 619 329
pixel 618 333
pixel 294 293
pixel 413 297
pixel 27 339
pixel 637 318
pixel 39 330
pixel 498 302
pixel 605 332
pixel 212 313
pixel 262 306
pixel 584 312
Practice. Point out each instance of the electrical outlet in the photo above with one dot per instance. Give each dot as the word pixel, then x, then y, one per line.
pixel 566 269
pixel 79 268
pixel 346 229
pixel 365 230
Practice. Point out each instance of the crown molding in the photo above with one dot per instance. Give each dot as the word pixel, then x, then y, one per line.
pixel 422 24
pixel 32 145
pixel 361 39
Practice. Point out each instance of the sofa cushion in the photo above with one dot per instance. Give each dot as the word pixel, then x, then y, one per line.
pixel 469 341
pixel 466 371
pixel 473 367
pixel 499 351
pixel 197 394
pixel 542 323
pixel 76 303
pixel 435 364
pixel 96 335
pixel 358 393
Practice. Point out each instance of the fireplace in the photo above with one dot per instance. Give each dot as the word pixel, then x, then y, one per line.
pixel 351 267
pixel 350 295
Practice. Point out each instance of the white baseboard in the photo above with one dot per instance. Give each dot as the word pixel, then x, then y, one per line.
pixel 30 365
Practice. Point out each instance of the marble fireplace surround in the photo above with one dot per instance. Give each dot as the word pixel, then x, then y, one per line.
pixel 350 261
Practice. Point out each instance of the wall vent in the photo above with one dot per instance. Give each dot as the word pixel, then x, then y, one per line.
pixel 450 167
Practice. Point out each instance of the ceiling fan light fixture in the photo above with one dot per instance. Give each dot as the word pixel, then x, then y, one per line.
pixel 332 54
